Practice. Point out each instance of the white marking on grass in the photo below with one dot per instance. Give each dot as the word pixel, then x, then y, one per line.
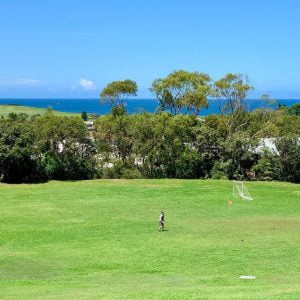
pixel 247 277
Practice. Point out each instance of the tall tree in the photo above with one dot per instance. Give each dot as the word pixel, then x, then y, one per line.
pixel 18 155
pixel 66 151
pixel 234 89
pixel 288 158
pixel 182 89
pixel 117 91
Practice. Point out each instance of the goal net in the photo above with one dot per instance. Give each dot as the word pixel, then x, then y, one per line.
pixel 239 189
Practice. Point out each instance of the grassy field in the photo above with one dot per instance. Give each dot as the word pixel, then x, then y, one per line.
pixel 6 109
pixel 99 239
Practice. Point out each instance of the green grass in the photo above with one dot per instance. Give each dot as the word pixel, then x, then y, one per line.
pixel 99 239
pixel 5 110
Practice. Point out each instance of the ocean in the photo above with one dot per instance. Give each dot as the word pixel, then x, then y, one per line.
pixel 93 106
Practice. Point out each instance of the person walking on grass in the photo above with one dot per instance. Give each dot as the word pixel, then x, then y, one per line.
pixel 161 221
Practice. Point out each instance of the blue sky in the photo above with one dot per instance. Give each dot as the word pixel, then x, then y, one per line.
pixel 74 48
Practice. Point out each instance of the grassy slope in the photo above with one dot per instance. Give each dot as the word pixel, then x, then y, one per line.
pixel 99 239
pixel 6 109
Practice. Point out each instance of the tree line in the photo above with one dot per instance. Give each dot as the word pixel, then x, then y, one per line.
pixel 148 145
pixel 174 142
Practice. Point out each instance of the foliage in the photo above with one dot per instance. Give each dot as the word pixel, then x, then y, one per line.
pixel 182 89
pixel 271 124
pixel 288 159
pixel 295 109
pixel 84 116
pixel 18 156
pixel 48 147
pixel 66 151
pixel 221 169
pixel 267 167
pixel 167 144
pixel 234 89
pixel 132 174
pixel 239 152
pixel 115 92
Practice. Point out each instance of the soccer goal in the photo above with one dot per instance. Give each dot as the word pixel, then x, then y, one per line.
pixel 239 189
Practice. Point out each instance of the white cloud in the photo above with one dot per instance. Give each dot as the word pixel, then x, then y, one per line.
pixel 87 84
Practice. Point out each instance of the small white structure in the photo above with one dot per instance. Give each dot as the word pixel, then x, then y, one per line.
pixel 268 143
pixel 89 125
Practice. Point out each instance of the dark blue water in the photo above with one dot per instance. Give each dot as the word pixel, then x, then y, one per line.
pixel 132 105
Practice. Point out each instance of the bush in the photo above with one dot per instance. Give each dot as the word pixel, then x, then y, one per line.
pixel 64 167
pixel 119 170
pixel 84 116
pixel 265 168
pixel 221 169
pixel 131 174
pixel 18 156
pixel 112 172
pixel 289 159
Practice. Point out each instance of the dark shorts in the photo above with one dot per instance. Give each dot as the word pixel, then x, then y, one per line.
pixel 161 223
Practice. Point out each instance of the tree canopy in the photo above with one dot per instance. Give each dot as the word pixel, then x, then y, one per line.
pixel 117 91
pixel 234 89
pixel 182 89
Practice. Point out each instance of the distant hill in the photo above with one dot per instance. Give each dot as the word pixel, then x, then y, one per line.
pixel 6 109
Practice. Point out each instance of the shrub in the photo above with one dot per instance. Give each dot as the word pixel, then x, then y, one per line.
pixel 221 169
pixel 265 168
pixel 131 174
pixel 84 116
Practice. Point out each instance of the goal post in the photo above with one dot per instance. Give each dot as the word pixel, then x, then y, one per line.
pixel 239 189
